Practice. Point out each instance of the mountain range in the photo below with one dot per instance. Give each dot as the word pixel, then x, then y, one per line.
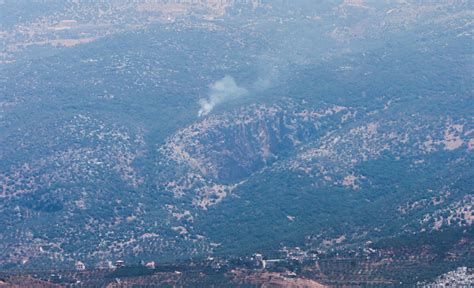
pixel 199 129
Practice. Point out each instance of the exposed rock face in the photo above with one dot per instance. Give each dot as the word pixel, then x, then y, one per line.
pixel 211 157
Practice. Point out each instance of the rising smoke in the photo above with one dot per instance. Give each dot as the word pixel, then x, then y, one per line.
pixel 220 92
pixel 301 43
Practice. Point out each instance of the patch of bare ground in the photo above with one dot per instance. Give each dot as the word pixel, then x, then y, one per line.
pixel 267 279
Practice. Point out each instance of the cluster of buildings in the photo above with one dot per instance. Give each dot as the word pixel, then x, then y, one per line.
pixel 300 255
pixel 80 266
pixel 461 277
pixel 285 261
pixel 295 254
pixel 286 256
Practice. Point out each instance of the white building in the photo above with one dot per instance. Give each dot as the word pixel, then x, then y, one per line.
pixel 80 266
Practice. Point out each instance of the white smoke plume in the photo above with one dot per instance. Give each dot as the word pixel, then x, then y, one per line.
pixel 220 92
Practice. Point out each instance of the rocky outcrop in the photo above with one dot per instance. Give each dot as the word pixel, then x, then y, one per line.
pixel 212 156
